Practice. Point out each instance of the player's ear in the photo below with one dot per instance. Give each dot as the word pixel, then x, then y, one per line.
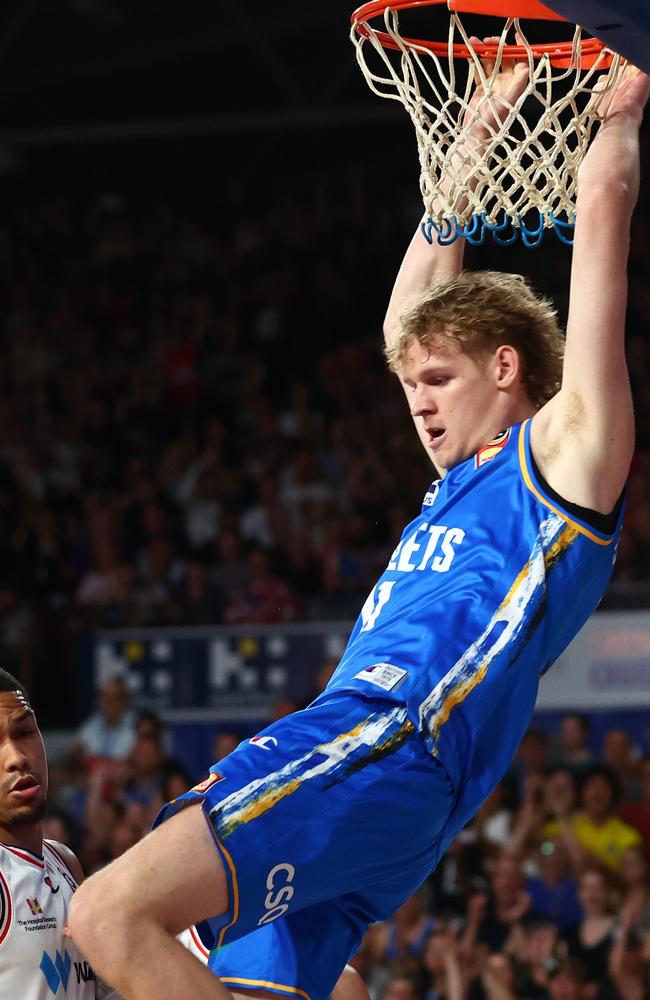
pixel 507 366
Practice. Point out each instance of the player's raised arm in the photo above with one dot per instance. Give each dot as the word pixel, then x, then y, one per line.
pixel 583 438
pixel 426 265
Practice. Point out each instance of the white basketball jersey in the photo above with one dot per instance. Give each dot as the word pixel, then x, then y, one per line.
pixel 193 942
pixel 36 961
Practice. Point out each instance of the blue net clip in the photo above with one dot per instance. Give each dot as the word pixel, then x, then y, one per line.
pixel 532 238
pixel 445 234
pixel 563 229
pixel 474 231
pixel 497 228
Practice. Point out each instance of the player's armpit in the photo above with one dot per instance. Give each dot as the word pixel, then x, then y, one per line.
pixel 585 460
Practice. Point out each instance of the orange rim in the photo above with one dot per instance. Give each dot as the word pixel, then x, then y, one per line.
pixel 561 53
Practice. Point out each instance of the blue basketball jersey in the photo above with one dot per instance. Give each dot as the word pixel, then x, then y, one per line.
pixel 484 591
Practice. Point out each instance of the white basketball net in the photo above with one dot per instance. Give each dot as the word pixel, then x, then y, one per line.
pixel 527 166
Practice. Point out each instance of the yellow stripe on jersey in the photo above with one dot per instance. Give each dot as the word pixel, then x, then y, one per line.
pixel 262 983
pixel 547 503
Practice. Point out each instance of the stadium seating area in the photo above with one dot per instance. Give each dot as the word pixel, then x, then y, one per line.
pixel 195 422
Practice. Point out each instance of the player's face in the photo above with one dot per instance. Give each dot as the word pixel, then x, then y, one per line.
pixel 23 765
pixel 458 401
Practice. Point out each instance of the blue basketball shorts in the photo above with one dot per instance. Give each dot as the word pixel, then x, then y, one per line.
pixel 325 822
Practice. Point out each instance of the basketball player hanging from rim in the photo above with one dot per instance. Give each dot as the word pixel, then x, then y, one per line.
pixel 296 842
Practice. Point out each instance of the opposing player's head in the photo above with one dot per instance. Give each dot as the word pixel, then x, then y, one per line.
pixel 23 764
pixel 476 354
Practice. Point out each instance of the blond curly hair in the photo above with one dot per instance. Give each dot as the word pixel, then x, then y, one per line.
pixel 478 312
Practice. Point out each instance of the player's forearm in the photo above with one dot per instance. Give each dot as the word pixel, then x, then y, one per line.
pixel 424 266
pixel 610 182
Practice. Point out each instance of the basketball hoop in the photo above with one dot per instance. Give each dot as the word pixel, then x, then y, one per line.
pixel 526 168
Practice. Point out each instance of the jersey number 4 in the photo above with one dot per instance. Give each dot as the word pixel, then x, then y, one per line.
pixel 376 600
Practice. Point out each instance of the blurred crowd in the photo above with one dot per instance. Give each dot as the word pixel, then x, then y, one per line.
pixel 195 422
pixel 545 895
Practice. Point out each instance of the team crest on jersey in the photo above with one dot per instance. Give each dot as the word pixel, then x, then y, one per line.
pixel 34 905
pixel 208 782
pixel 492 448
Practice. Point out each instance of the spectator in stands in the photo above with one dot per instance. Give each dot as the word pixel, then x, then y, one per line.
pixel 499 977
pixel 265 521
pixel 109 734
pixel 531 762
pixel 110 580
pixel 629 964
pixel 493 821
pixel 400 942
pixel 546 812
pixel 601 835
pixel 554 892
pixel 491 917
pixel 637 814
pixel 264 598
pixel 441 963
pixel 620 754
pixel 533 943
pixel 145 774
pixel 590 941
pixel 225 741
pixel 230 571
pixel 402 987
pixel 635 882
pixel 567 981
pixel 573 739
pixel 199 601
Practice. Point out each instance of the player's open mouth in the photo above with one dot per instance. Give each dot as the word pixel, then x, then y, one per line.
pixel 435 436
pixel 26 788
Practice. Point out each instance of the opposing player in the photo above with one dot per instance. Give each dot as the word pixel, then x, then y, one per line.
pixel 296 842
pixel 37 877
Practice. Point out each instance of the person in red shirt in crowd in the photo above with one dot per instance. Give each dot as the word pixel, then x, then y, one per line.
pixel 637 814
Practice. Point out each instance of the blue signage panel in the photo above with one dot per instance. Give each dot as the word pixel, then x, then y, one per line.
pixel 217 674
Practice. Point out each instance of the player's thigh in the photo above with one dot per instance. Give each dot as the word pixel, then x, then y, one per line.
pixel 174 877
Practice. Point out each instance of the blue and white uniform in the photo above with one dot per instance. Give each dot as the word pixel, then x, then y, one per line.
pixel 331 817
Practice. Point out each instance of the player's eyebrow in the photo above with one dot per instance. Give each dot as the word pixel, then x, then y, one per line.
pixel 28 713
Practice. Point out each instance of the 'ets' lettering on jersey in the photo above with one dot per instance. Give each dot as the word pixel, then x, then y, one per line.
pixel 429 547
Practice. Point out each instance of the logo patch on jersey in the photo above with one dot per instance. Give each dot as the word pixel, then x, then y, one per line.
pixel 53 888
pixel 208 782
pixel 34 905
pixel 384 675
pixel 56 972
pixel 492 449
pixel 431 494
pixel 265 742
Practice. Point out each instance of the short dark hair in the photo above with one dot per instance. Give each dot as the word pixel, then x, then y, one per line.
pixel 606 773
pixel 9 683
pixel 582 720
